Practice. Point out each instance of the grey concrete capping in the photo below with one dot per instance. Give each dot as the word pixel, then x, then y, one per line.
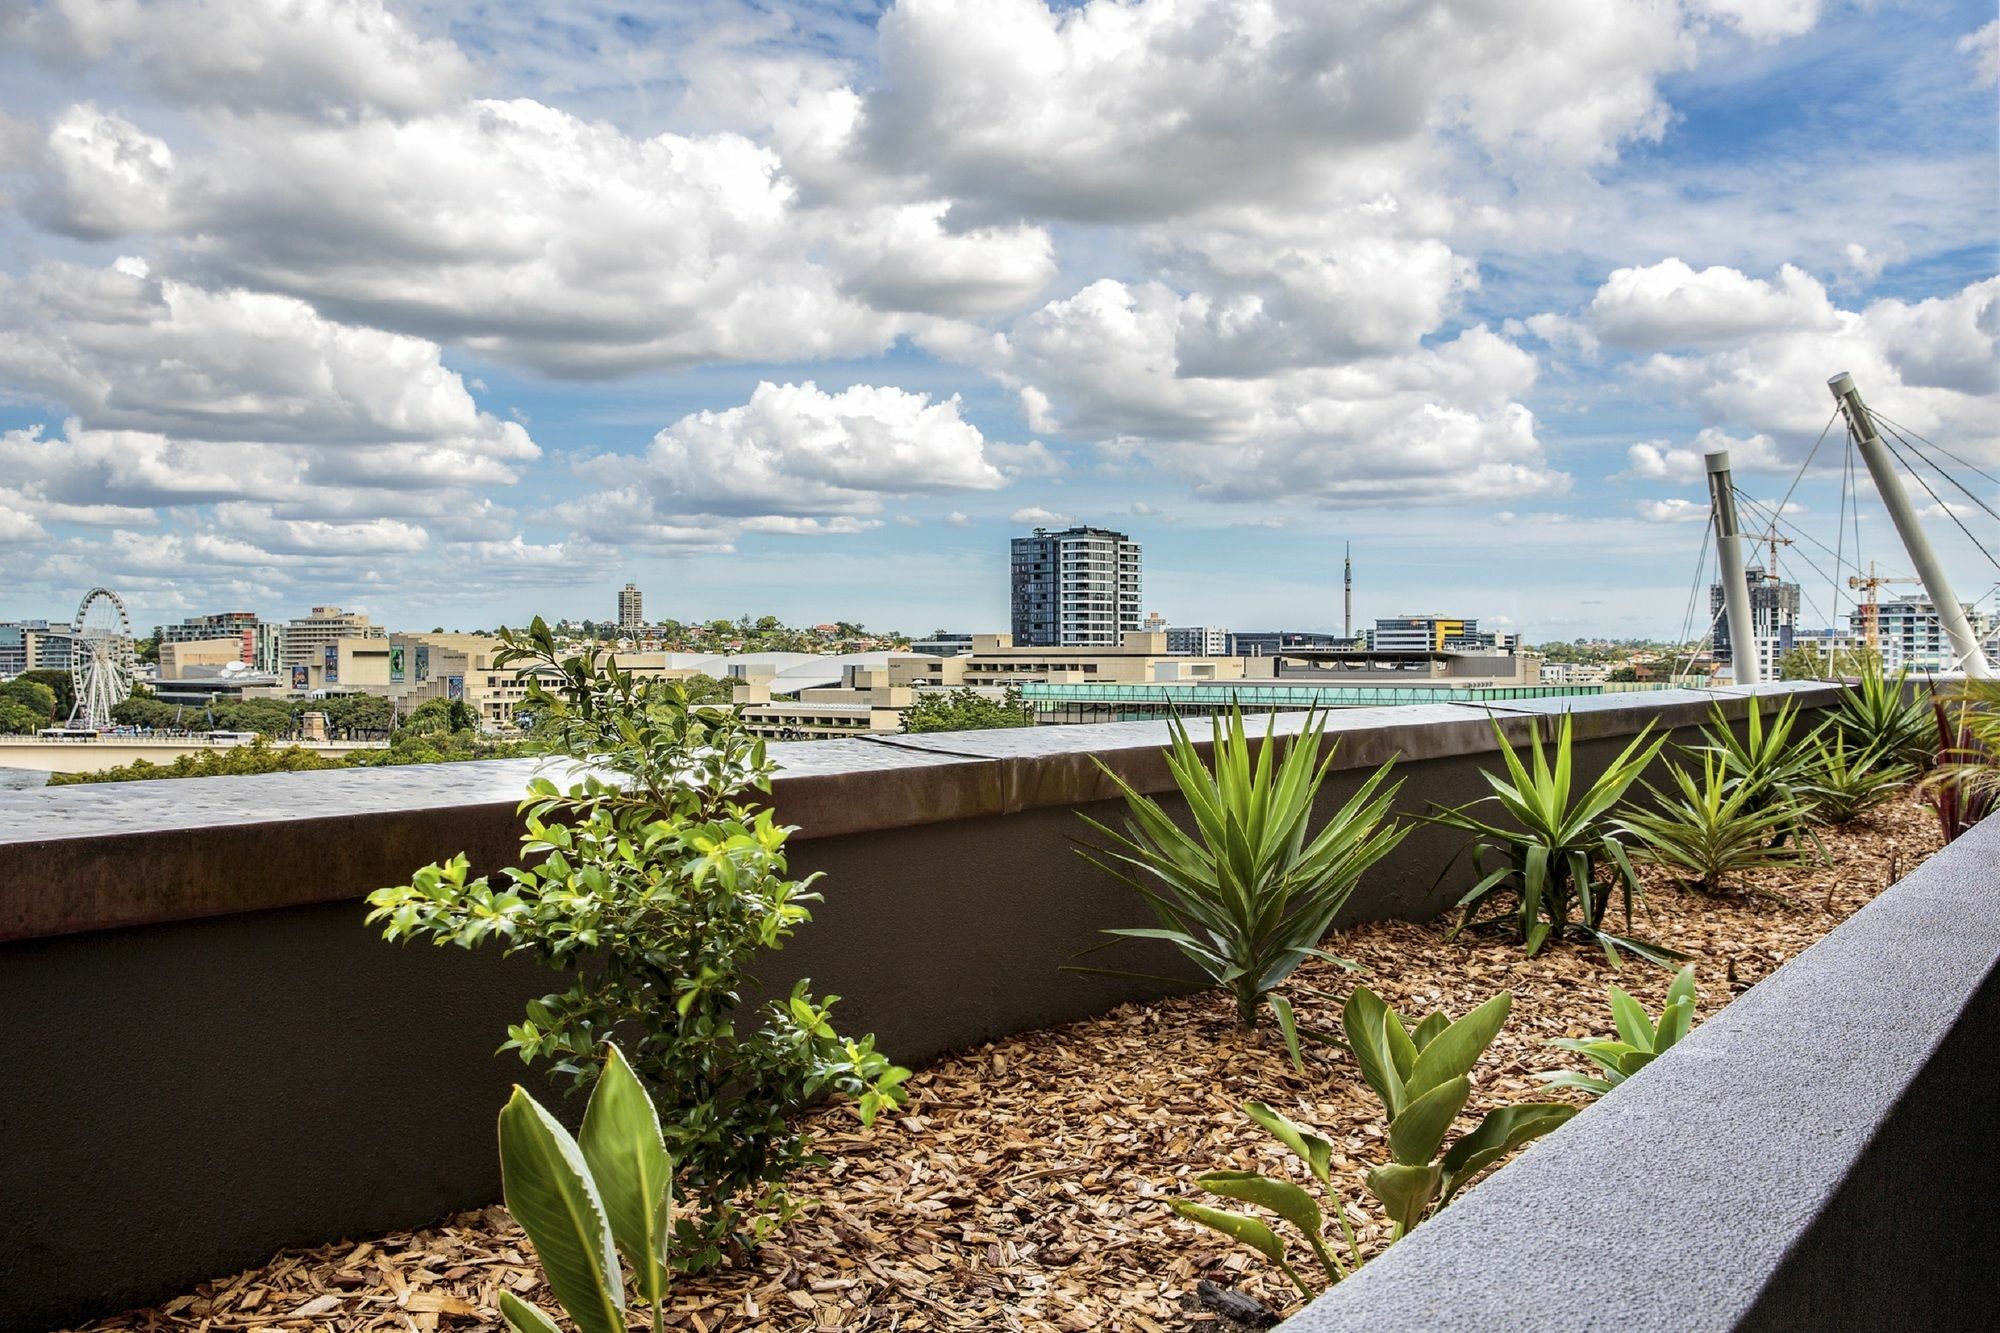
pixel 1822 1154
pixel 211 1057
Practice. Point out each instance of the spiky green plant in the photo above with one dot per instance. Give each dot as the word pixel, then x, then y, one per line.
pixel 1712 827
pixel 1559 834
pixel 1251 892
pixel 1876 715
pixel 1844 784
pixel 1640 1040
pixel 1766 762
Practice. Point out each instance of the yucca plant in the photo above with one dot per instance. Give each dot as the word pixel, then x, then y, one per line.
pixel 584 1201
pixel 1766 762
pixel 1964 788
pixel 1875 715
pixel 1287 1200
pixel 1251 892
pixel 1560 833
pixel 1712 827
pixel 1423 1077
pixel 1844 784
pixel 1640 1039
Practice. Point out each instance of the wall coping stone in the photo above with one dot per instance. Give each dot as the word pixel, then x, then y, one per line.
pixel 1673 1202
pixel 80 844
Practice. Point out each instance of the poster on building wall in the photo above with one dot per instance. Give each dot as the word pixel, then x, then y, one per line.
pixel 301 678
pixel 423 661
pixel 454 687
pixel 396 664
pixel 332 664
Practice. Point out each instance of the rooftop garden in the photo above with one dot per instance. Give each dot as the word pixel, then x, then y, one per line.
pixel 1204 1161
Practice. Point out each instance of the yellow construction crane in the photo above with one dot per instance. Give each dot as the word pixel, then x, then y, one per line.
pixel 1871 630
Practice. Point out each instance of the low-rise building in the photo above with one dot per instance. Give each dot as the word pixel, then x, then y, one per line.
pixel 307 640
pixel 177 656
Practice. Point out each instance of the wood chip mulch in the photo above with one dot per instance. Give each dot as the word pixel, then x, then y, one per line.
pixel 1025 1185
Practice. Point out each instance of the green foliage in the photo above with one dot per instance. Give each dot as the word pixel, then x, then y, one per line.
pixel 585 1203
pixel 1291 1203
pixel 258 757
pixel 1807 663
pixel 1556 839
pixel 1844 783
pixel 1772 770
pixel 701 689
pixel 1423 1076
pixel 60 682
pixel 1713 826
pixel 966 709
pixel 143 710
pixel 26 706
pixel 353 714
pixel 147 650
pixel 435 716
pixel 20 719
pixel 1964 788
pixel 1876 715
pixel 1248 895
pixel 654 884
pixel 1639 1040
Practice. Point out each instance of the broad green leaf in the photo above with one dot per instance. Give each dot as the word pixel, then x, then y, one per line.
pixel 1683 986
pixel 621 1141
pixel 1289 1027
pixel 1429 1028
pixel 1405 1191
pixel 1236 1226
pixel 1635 1029
pixel 1498 1134
pixel 549 1191
pixel 1367 1021
pixel 1311 1149
pixel 1571 1079
pixel 523 1317
pixel 1674 1023
pixel 1454 1051
pixel 1416 1135
pixel 1280 1196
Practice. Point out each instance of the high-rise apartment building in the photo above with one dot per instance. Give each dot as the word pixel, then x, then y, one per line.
pixel 305 640
pixel 1774 618
pixel 1078 588
pixel 631 608
pixel 33 645
pixel 1910 633
pixel 1198 641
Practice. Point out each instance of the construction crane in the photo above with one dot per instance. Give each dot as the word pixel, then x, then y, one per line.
pixel 1871 631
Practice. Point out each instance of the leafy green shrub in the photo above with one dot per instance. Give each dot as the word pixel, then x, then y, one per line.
pixel 256 758
pixel 1876 716
pixel 1247 896
pixel 1558 839
pixel 1282 1197
pixel 655 885
pixel 1640 1039
pixel 966 709
pixel 1714 828
pixel 1844 784
pixel 584 1201
pixel 1423 1079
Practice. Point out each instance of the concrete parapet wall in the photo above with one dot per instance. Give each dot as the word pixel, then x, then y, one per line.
pixel 212 1057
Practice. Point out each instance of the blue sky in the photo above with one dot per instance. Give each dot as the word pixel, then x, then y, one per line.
pixel 457 313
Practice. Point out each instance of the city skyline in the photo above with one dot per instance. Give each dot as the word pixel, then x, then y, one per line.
pixel 449 324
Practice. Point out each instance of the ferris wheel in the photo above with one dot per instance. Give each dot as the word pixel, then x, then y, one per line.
pixel 101 658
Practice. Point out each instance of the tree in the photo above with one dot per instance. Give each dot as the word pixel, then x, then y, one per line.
pixel 32 695
pixel 1806 662
pixel 142 710
pixel 359 714
pixel 147 650
pixel 440 716
pixel 702 689
pixel 966 709
pixel 19 719
pixel 58 681
pixel 1622 674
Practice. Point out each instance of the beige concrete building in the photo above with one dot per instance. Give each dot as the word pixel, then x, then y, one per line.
pixel 176 658
pixel 305 640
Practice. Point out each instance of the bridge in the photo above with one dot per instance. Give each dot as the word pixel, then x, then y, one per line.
pixel 92 754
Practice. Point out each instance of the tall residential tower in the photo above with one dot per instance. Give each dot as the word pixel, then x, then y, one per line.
pixel 631 610
pixel 1078 588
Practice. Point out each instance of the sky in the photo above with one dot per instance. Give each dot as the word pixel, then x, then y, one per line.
pixel 458 313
